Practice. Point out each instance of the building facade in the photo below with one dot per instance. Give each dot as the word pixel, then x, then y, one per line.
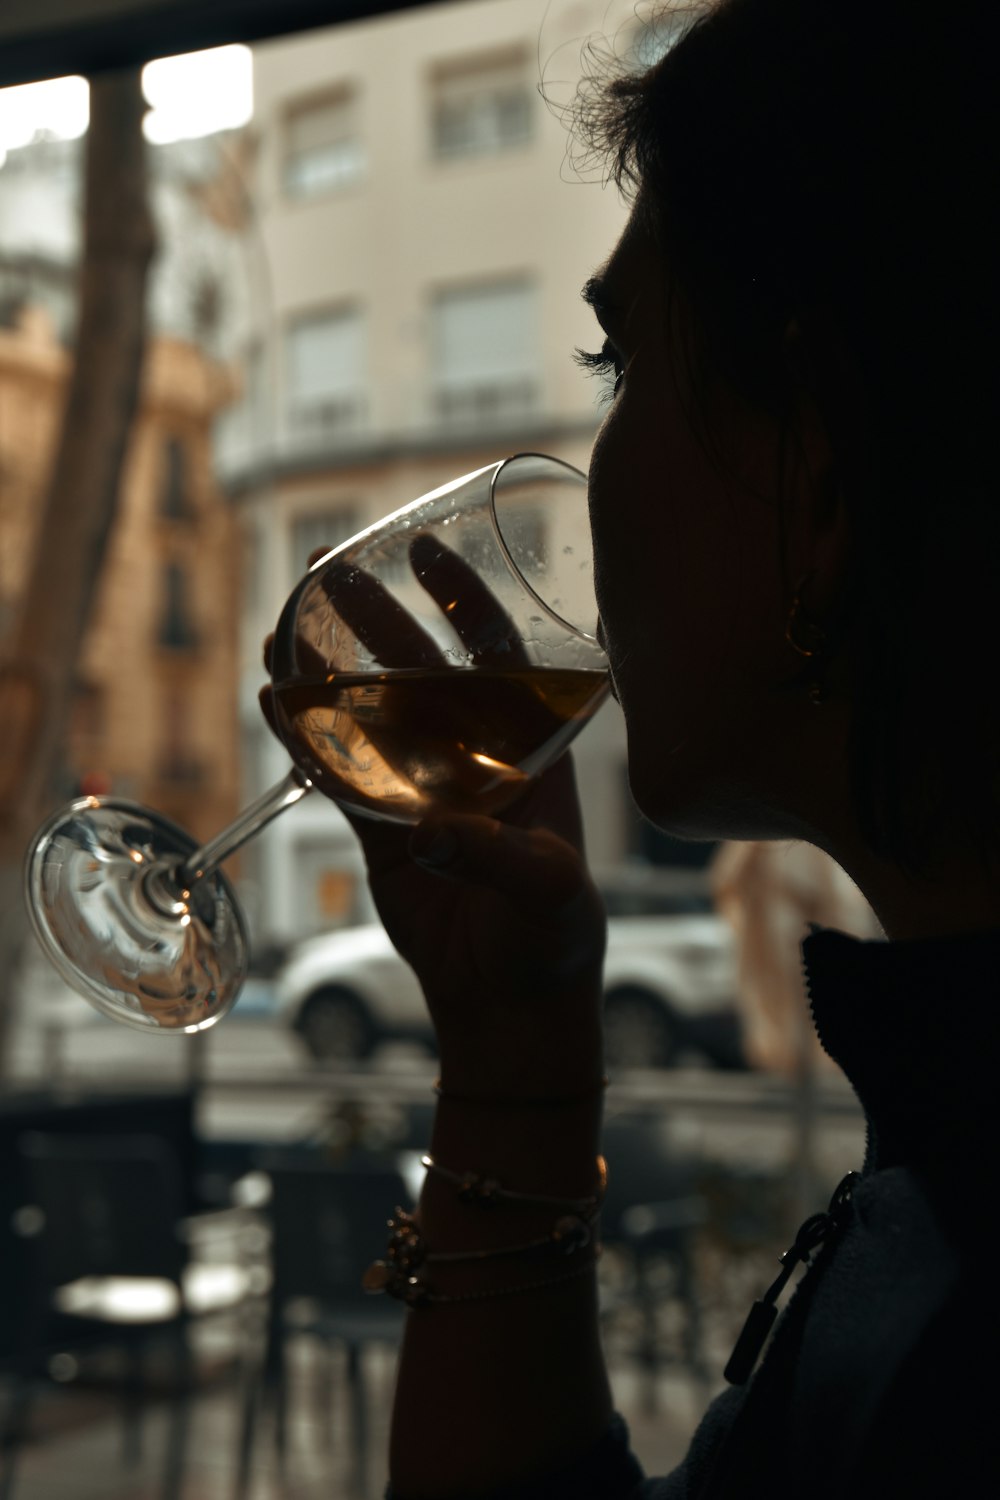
pixel 155 708
pixel 155 713
pixel 422 241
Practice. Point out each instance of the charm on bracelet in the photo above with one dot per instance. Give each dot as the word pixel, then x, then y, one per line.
pixel 406 1255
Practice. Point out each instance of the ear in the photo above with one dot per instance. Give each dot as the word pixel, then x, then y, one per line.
pixel 818 531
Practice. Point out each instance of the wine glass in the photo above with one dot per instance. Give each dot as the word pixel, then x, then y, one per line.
pixel 442 658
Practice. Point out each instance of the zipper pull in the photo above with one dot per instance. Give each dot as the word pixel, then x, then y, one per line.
pixel 815 1231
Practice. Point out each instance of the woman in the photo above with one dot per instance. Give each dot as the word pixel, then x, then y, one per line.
pixel 795 536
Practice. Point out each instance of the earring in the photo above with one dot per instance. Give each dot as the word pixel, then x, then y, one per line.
pixel 809 640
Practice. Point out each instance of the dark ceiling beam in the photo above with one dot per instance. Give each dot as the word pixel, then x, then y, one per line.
pixel 48 38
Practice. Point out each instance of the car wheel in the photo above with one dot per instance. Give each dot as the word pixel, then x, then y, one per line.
pixel 335 1024
pixel 638 1031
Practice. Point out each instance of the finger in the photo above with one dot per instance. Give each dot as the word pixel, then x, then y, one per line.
pixel 381 624
pixel 268 708
pixel 551 801
pixel 385 839
pixel 308 661
pixel 473 611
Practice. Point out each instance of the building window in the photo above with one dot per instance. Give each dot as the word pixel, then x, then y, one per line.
pixel 325 364
pixel 322 146
pixel 485 354
pixel 321 528
pixel 173 493
pixel 177 629
pixel 482 106
pixel 178 764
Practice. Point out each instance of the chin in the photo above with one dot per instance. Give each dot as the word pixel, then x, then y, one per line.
pixel 679 796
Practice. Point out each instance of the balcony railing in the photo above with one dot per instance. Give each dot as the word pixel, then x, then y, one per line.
pixel 332 421
pixel 490 404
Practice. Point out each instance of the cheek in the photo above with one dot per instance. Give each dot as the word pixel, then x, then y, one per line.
pixel 666 544
pixel 688 583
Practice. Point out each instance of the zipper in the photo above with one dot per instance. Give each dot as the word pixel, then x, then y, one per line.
pixel 815 1231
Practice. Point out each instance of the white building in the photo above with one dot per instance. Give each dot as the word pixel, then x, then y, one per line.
pixel 419 246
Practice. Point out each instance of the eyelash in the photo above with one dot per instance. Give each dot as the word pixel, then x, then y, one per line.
pixel 606 363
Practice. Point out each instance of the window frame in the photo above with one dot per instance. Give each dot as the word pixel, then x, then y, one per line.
pixel 346 95
pixel 458 76
pixel 300 422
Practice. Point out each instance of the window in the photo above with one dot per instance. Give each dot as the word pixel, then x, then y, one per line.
pixel 176 626
pixel 177 763
pixel 322 147
pixel 485 354
pixel 482 107
pixel 173 492
pixel 525 535
pixel 321 528
pixel 325 361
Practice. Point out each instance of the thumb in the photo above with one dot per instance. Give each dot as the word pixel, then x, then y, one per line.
pixel 532 868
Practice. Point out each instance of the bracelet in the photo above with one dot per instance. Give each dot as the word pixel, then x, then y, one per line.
pixel 475 1187
pixel 416 1293
pixel 407 1253
pixel 447 1095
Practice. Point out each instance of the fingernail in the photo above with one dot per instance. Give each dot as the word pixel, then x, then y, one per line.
pixel 438 851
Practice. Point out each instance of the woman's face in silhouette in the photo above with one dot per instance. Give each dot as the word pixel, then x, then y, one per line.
pixel 693 594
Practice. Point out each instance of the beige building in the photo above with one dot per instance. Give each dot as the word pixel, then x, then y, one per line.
pixel 155 715
pixel 421 241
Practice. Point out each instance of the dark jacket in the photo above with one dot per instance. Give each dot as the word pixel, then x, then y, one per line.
pixel 880 1376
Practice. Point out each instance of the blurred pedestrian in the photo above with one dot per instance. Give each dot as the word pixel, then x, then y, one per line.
pixel 771 893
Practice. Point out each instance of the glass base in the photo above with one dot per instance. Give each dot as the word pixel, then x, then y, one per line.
pixel 104 905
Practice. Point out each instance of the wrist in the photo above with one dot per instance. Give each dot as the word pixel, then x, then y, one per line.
pixel 562 1095
pixel 529 1150
pixel 549 1055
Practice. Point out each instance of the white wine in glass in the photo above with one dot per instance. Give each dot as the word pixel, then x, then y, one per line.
pixel 443 658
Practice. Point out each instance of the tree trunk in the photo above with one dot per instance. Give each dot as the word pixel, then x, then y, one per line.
pixel 40 655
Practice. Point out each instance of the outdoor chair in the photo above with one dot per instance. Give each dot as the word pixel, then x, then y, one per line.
pixel 328 1225
pixel 114 1268
pixel 650 1222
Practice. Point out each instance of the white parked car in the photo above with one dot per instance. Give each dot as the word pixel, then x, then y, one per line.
pixel 669 984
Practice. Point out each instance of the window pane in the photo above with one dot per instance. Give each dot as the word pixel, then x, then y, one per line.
pixel 486 106
pixel 173 493
pixel 485 352
pixel 177 629
pixel 323 149
pixel 325 357
pixel 321 528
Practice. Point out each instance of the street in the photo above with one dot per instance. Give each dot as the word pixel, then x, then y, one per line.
pixel 256 1082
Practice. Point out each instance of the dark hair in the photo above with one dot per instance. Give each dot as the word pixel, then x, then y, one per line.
pixel 836 166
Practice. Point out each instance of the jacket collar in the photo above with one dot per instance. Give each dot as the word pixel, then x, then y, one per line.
pixel 915 1026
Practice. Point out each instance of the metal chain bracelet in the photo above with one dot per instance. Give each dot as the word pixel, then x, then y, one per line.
pixel 477 1187
pixel 406 1255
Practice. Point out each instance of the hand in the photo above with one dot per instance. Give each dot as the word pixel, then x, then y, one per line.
pixel 498 917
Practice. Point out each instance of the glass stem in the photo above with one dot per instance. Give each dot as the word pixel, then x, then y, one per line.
pixel 291 789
